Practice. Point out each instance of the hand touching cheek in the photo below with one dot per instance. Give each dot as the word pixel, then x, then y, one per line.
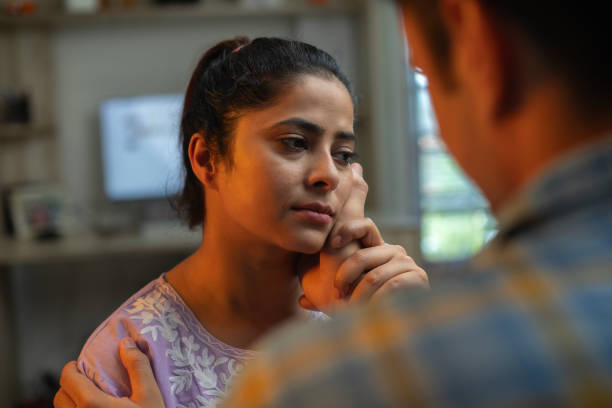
pixel 318 272
pixel 356 264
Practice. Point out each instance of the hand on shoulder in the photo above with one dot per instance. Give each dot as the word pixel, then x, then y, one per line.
pixel 79 391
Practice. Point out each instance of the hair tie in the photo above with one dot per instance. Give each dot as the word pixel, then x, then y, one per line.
pixel 238 48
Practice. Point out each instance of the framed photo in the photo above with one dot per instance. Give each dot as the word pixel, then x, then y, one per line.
pixel 35 211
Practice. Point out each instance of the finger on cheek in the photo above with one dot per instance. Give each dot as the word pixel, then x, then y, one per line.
pixel 337 241
pixel 353 230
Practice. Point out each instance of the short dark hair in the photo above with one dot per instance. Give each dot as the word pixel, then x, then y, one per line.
pixel 572 39
pixel 232 77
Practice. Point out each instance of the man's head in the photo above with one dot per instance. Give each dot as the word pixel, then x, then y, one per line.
pixel 496 66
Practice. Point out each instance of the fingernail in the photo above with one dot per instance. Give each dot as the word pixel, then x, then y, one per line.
pixel 358 169
pixel 128 342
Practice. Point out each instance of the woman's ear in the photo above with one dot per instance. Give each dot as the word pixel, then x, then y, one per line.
pixel 202 160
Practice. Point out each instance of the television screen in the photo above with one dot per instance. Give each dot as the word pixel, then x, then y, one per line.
pixel 140 149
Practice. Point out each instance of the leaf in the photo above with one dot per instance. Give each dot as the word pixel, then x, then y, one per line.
pixel 152 330
pixel 181 381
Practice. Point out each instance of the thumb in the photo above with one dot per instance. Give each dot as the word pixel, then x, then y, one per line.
pixel 356 201
pixel 145 391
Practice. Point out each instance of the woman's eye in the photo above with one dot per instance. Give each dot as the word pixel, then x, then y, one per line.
pixel 294 143
pixel 346 158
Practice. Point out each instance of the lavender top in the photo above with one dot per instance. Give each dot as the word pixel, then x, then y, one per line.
pixel 192 368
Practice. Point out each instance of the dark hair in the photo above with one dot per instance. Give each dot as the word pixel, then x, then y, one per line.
pixel 234 76
pixel 571 38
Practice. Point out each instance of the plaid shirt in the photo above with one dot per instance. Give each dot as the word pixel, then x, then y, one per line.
pixel 530 325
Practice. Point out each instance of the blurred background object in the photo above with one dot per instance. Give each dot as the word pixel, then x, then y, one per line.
pixel 14 107
pixel 455 218
pixel 20 7
pixel 33 212
pixel 174 1
pixel 81 6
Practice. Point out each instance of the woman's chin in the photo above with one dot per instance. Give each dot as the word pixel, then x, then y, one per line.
pixel 307 241
pixel 308 245
pixel 310 251
pixel 308 248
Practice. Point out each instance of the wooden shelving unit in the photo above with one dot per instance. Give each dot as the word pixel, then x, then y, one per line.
pixel 18 132
pixel 89 246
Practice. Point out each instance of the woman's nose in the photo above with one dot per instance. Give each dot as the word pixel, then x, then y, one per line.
pixel 323 172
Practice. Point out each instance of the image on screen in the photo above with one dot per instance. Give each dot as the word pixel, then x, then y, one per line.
pixel 140 150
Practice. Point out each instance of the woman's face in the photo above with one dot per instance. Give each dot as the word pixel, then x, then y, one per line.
pixel 290 174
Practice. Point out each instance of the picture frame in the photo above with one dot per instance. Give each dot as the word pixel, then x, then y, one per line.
pixel 35 211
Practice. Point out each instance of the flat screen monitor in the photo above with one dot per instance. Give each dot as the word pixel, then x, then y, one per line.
pixel 140 149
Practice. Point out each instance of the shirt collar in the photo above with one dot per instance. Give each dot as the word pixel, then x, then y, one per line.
pixel 573 180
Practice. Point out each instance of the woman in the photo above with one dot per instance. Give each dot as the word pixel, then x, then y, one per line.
pixel 267 138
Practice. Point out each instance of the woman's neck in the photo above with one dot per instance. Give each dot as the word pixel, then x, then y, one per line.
pixel 238 290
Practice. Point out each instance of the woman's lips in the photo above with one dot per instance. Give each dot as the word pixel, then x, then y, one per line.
pixel 313 216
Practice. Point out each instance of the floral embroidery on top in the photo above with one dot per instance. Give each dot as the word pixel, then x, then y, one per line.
pixel 190 350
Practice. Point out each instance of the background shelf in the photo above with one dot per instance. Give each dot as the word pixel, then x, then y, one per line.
pixel 16 132
pixel 179 12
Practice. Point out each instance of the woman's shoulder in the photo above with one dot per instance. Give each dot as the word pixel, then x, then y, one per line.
pixel 99 358
pixel 188 362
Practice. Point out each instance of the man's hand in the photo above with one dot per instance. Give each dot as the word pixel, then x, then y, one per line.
pixel 78 391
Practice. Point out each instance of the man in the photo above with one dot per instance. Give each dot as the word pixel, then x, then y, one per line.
pixel 523 97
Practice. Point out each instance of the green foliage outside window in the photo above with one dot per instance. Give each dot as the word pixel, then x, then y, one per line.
pixel 455 219
pixel 455 235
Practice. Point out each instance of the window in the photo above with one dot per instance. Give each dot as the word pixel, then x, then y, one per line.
pixel 455 218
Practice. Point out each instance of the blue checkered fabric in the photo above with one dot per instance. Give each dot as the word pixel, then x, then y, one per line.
pixel 530 323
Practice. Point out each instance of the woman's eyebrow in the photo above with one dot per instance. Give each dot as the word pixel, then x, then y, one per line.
pixel 301 124
pixel 312 128
pixel 346 136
